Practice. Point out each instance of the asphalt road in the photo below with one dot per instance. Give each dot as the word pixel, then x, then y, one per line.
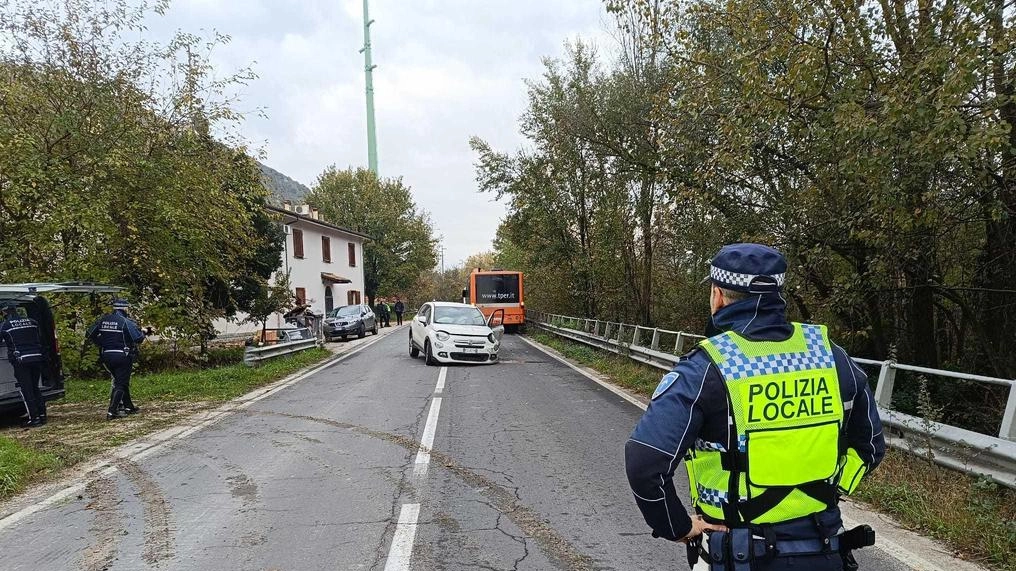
pixel 525 472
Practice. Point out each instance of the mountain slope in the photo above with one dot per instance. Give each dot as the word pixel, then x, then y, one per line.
pixel 281 186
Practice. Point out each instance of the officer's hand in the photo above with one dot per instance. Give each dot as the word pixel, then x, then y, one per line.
pixel 698 526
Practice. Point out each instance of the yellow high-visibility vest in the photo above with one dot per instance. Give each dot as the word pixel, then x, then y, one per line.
pixel 786 418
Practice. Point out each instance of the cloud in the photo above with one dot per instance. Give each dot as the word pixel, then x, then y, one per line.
pixel 447 70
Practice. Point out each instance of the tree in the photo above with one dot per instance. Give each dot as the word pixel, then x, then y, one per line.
pixel 269 298
pixel 401 245
pixel 108 170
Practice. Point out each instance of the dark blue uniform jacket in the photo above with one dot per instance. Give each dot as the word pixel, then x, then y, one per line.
pixel 21 335
pixel 694 408
pixel 116 333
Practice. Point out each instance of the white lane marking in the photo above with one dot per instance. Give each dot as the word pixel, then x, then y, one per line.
pixel 157 442
pixel 441 380
pixel 427 441
pixel 401 550
pixel 892 548
pixel 617 391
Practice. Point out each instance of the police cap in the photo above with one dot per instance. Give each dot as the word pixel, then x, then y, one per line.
pixel 120 303
pixel 10 306
pixel 748 268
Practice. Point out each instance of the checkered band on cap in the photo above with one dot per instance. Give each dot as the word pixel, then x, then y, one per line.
pixel 742 281
pixel 735 365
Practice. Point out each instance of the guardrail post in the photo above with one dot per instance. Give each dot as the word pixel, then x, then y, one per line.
pixel 596 328
pixel 1008 430
pixel 655 345
pixel 886 380
pixel 635 336
pixel 679 344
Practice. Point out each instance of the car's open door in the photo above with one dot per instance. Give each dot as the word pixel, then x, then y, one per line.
pixel 496 323
pixel 16 291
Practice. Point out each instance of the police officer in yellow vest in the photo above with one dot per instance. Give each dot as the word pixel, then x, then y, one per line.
pixel 774 423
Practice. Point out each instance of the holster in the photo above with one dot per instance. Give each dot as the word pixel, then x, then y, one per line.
pixel 731 550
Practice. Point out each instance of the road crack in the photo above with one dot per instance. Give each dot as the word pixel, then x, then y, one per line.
pixel 558 549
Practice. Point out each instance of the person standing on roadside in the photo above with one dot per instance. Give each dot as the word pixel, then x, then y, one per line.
pixel 118 337
pixel 400 308
pixel 388 314
pixel 775 423
pixel 24 351
pixel 379 311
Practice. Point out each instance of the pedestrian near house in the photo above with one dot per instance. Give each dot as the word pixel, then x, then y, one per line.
pixel 380 310
pixel 24 351
pixel 118 337
pixel 400 308
pixel 774 422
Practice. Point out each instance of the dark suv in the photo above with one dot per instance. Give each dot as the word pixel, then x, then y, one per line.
pixel 349 320
pixel 29 297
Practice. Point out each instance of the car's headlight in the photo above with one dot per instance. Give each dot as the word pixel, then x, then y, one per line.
pixel 442 336
pixel 491 338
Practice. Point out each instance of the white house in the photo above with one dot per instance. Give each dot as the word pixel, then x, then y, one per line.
pixel 324 262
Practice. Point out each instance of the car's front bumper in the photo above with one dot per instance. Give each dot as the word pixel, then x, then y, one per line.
pixel 340 330
pixel 462 351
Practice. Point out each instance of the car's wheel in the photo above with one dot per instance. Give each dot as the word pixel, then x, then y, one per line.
pixel 362 332
pixel 413 351
pixel 431 361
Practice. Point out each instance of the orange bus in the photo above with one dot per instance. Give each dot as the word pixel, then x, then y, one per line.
pixel 491 290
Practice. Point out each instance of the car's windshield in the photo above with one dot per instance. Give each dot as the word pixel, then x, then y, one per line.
pixel 459 316
pixel 346 311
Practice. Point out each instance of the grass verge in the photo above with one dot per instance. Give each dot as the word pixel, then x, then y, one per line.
pixel 78 430
pixel 977 519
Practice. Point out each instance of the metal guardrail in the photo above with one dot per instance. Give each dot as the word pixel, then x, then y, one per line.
pixel 290 341
pixel 950 446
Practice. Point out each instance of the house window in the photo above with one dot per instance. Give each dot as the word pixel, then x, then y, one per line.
pixel 326 249
pixel 352 255
pixel 297 243
pixel 353 298
pixel 301 296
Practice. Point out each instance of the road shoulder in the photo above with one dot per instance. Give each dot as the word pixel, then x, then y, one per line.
pixel 908 548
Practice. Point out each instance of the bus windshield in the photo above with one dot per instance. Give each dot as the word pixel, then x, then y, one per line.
pixel 497 288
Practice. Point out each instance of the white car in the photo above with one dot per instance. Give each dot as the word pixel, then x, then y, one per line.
pixel 455 333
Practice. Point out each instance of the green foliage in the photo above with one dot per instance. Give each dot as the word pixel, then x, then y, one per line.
pixel 109 171
pixel 210 384
pixel 401 245
pixel 873 143
pixel 19 464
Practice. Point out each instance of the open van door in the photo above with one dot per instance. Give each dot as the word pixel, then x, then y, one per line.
pixel 496 323
pixel 32 298
pixel 28 290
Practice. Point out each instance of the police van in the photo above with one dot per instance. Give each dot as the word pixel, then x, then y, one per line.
pixel 31 299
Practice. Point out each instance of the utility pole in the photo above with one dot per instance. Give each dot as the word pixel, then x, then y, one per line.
pixel 368 67
pixel 442 258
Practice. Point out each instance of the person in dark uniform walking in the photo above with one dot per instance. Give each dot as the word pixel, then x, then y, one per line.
pixel 400 308
pixel 774 422
pixel 118 337
pixel 24 351
pixel 381 310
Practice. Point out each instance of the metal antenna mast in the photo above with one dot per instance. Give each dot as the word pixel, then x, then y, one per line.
pixel 368 67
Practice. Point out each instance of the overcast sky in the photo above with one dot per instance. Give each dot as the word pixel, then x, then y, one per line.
pixel 447 70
